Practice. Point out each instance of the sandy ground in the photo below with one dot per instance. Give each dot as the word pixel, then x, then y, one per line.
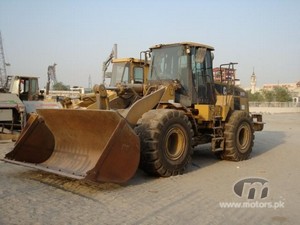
pixel 28 196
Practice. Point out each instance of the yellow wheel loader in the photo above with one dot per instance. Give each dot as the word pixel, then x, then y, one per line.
pixel 179 107
pixel 124 71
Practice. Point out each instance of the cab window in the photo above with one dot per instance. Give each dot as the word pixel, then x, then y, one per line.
pixel 138 73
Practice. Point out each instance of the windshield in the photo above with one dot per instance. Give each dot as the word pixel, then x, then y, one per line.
pixel 168 63
pixel 120 73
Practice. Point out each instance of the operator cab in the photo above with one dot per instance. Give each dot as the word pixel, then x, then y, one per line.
pixel 190 65
pixel 25 87
pixel 128 70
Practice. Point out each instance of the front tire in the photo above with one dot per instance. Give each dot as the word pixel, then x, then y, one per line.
pixel 238 137
pixel 166 137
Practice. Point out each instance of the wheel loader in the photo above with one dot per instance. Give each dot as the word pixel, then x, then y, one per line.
pixel 179 107
pixel 19 96
pixel 124 71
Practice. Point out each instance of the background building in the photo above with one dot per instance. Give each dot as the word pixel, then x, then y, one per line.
pixel 253 83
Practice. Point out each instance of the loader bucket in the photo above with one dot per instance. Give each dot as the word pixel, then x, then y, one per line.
pixel 94 145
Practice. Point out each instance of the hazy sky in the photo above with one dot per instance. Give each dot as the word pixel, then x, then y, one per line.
pixel 78 35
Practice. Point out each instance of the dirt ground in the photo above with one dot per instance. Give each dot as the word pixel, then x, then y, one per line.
pixel 205 194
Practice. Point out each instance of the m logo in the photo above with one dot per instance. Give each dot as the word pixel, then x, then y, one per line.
pixel 252 188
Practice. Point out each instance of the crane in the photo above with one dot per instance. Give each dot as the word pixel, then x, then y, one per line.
pixel 3 64
pixel 107 62
pixel 51 77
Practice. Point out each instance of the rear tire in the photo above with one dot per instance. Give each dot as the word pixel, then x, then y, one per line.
pixel 238 137
pixel 166 137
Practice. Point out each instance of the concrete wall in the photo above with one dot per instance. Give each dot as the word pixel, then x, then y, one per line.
pixel 275 109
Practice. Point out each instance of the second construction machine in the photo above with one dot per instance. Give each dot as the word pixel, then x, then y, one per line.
pixel 178 108
pixel 124 71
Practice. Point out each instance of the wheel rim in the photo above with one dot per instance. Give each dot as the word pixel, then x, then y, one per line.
pixel 243 137
pixel 175 143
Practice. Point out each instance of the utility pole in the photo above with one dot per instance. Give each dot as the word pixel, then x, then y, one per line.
pixel 90 82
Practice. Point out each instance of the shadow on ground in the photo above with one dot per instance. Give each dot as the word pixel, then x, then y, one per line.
pixel 267 141
pixel 202 157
